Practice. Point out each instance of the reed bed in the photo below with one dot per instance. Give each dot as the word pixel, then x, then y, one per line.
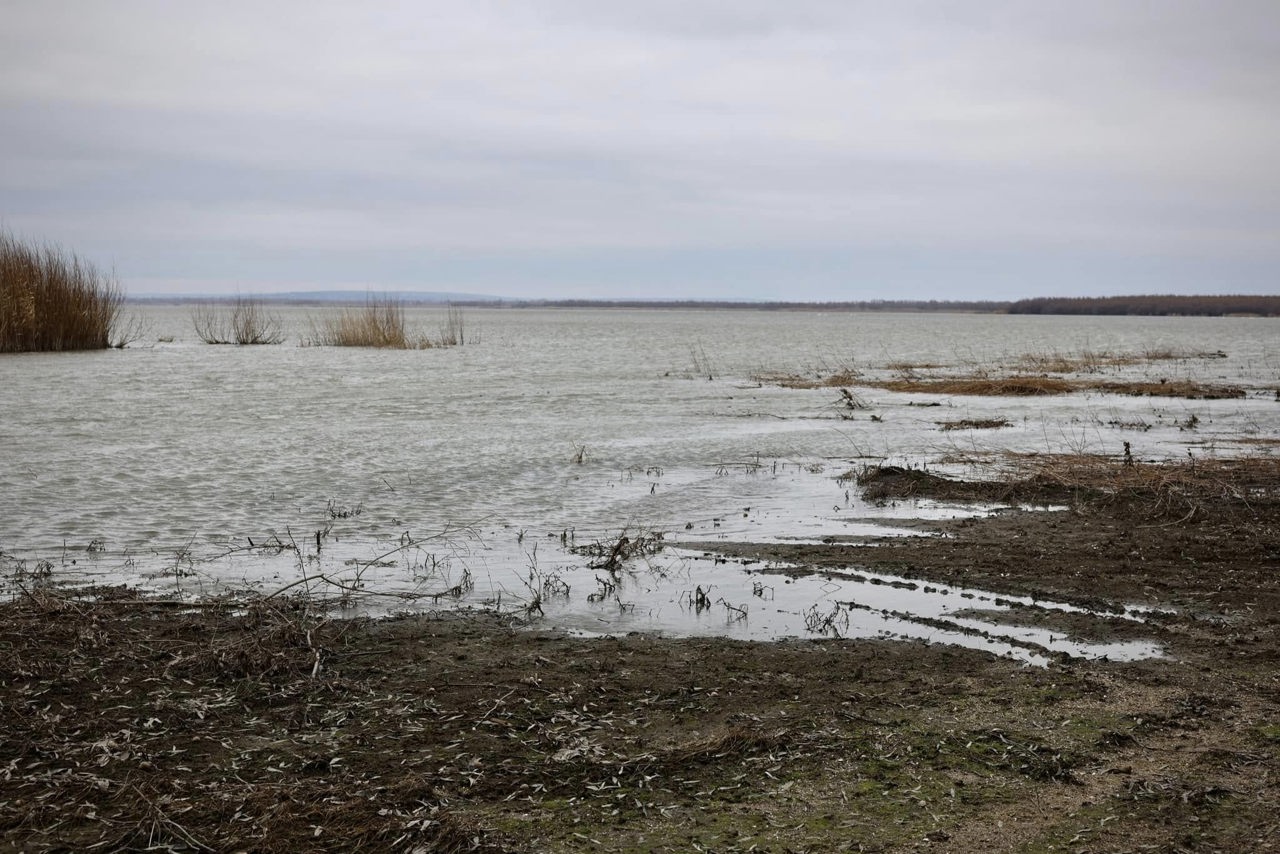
pixel 50 300
pixel 378 323
pixel 246 321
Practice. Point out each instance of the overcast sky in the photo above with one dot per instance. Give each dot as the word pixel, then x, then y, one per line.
pixel 806 149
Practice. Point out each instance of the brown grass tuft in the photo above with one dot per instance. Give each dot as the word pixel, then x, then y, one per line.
pixel 52 300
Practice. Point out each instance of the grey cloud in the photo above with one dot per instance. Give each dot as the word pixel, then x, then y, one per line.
pixel 603 142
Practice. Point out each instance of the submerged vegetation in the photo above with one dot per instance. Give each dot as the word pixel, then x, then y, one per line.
pixel 246 321
pixel 50 299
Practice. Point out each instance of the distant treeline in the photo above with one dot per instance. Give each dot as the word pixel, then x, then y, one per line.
pixel 1205 306
pixel 1202 306
pixel 982 306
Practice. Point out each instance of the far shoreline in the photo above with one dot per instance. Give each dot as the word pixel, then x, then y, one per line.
pixel 1117 306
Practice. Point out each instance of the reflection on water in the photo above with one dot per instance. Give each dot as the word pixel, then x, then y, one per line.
pixel 474 469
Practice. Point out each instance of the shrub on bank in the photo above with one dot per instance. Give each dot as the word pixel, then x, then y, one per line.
pixel 52 300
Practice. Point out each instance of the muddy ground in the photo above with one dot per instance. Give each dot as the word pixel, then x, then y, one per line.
pixel 135 725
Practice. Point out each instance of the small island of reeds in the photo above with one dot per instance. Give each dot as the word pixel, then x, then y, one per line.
pixel 51 299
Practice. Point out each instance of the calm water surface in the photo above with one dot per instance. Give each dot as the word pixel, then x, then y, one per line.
pixel 162 462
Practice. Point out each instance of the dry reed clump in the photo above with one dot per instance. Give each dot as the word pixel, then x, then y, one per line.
pixel 52 300
pixel 246 321
pixel 378 323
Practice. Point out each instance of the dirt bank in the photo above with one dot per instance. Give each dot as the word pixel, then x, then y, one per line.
pixel 132 725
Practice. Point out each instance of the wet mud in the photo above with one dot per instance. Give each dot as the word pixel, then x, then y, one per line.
pixel 131 724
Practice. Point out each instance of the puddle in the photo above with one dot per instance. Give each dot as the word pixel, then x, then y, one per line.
pixel 678 591
pixel 683 593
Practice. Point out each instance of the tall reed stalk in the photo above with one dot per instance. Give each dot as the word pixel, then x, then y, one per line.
pixel 453 330
pixel 50 299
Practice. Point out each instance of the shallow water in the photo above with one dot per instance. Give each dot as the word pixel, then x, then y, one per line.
pixel 162 462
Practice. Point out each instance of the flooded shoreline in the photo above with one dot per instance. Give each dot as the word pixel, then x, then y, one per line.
pixel 142 720
pixel 475 476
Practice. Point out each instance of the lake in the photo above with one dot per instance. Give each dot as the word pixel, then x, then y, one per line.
pixel 482 474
